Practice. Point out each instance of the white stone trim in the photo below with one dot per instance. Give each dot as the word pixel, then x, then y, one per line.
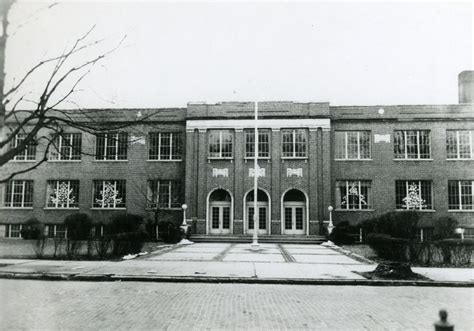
pixel 310 123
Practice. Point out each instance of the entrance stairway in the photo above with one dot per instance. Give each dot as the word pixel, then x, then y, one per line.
pixel 279 239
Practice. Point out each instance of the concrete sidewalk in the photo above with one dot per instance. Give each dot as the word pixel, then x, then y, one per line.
pixel 222 262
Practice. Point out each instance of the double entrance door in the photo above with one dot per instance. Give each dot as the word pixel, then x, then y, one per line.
pixel 220 217
pixel 294 215
pixel 263 217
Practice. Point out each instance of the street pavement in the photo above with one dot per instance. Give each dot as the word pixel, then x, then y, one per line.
pixel 52 305
pixel 227 261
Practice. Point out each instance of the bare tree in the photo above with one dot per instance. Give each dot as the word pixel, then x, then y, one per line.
pixel 45 118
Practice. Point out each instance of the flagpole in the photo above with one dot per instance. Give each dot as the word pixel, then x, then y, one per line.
pixel 256 172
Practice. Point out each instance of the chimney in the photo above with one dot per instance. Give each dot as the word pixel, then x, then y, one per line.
pixel 466 86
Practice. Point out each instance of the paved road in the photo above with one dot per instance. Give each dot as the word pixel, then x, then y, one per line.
pixel 26 304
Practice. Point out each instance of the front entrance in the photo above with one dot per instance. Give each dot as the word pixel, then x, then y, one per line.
pixel 294 212
pixel 220 212
pixel 263 216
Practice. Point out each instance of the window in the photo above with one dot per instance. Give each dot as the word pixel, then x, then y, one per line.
pixel 13 231
pixel 67 147
pixel 413 194
pixel 164 194
pixel 460 194
pixel 294 143
pixel 424 234
pixel 353 195
pixel 263 143
pixel 28 154
pixel 111 146
pixel 19 194
pixel 165 146
pixel 62 194
pixel 460 144
pixel 412 144
pixel 352 145
pixel 56 231
pixel 220 144
pixel 109 194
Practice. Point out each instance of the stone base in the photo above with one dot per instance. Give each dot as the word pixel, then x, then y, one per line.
pixel 276 227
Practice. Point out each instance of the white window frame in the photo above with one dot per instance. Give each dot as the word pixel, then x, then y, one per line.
pixel 59 147
pixel 418 145
pixel 58 181
pixel 158 183
pixel 10 231
pixel 460 196
pixel 251 132
pixel 115 188
pixel 159 156
pixel 220 157
pixel 369 204
pixel 346 150
pixel 23 194
pixel 23 158
pixel 458 149
pixel 106 145
pixel 418 182
pixel 293 133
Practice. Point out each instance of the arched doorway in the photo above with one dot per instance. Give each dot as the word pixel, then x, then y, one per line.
pixel 294 209
pixel 220 212
pixel 263 208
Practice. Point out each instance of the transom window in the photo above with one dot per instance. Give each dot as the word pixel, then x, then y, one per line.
pixel 62 194
pixel 460 144
pixel 28 154
pixel 413 194
pixel 164 194
pixel 294 143
pixel 19 194
pixel 352 145
pixel 111 146
pixel 263 143
pixel 66 147
pixel 353 194
pixel 461 194
pixel 109 194
pixel 220 144
pixel 165 146
pixel 412 144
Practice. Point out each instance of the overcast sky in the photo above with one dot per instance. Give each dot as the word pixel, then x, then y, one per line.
pixel 343 53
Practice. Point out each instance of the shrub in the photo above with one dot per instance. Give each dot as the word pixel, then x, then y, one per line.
pixel 443 228
pixel 389 248
pixel 32 229
pixel 127 233
pixel 344 234
pixel 169 231
pixel 397 224
pixel 78 228
pixel 456 251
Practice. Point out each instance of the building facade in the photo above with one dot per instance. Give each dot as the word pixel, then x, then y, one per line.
pixel 361 160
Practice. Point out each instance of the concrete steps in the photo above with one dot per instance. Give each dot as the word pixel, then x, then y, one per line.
pixel 261 238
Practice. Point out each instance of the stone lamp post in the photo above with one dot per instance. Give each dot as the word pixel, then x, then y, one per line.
pixel 330 225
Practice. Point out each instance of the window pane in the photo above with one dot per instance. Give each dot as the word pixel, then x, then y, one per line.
pixel 122 146
pixel 464 145
pixel 412 144
pixel 364 144
pixel 300 143
pixel 109 194
pixel 400 194
pixel 176 153
pixel 352 149
pixel 399 144
pixel 426 195
pixel 226 144
pixel 165 146
pixel 62 194
pixel 287 143
pixel 451 145
pixel 424 144
pixel 466 194
pixel 164 194
pixel 453 195
pixel 153 150
pixel 214 143
pixel 100 147
pixel 340 145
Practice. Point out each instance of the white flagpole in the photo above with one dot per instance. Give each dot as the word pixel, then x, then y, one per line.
pixel 255 244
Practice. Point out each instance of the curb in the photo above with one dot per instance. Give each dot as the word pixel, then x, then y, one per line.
pixel 239 280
